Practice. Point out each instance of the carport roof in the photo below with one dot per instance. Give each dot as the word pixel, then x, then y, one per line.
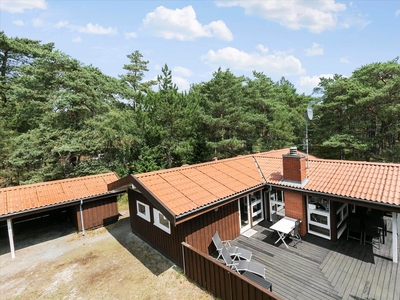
pixel 23 198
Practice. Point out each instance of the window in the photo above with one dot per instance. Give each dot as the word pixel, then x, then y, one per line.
pixel 161 221
pixel 277 203
pixel 318 217
pixel 143 210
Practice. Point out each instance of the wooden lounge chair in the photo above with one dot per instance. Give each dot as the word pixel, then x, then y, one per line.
pixel 242 265
pixel 235 252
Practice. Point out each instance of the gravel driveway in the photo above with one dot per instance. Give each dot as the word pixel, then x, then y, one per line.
pixel 107 263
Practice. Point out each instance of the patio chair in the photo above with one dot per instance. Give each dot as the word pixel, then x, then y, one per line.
pixel 235 252
pixel 374 232
pixel 274 219
pixel 242 265
pixel 295 234
pixel 354 227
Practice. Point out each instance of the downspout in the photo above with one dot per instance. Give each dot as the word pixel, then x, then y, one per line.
pixel 82 222
pixel 11 237
pixel 395 220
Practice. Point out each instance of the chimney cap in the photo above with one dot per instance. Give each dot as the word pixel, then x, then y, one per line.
pixel 293 150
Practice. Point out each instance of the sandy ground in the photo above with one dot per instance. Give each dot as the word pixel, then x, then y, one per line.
pixel 106 263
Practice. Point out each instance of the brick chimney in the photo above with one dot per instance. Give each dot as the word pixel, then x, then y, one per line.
pixel 294 167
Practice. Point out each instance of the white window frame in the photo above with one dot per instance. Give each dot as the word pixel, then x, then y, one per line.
pixel 312 209
pixel 146 215
pixel 157 214
pixel 275 201
pixel 343 210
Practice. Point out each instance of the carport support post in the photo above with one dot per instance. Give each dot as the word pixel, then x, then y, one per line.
pixel 395 221
pixel 11 237
pixel 82 223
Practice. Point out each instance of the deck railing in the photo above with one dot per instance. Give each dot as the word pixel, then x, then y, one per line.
pixel 218 279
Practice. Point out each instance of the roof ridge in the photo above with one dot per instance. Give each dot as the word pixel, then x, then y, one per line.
pixel 51 182
pixel 358 162
pixel 193 166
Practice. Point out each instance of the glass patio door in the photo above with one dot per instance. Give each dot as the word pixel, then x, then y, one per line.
pixel 244 214
pixel 251 211
pixel 257 208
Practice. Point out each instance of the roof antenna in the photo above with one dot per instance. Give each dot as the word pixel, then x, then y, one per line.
pixel 310 117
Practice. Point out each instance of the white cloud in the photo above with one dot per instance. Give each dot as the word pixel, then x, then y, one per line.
pixel 19 6
pixel 89 28
pixel 182 83
pixel 397 13
pixel 19 22
pixel 181 24
pixel 130 35
pixel 262 48
pixel 181 71
pixel 306 84
pixel 38 22
pixel 278 63
pixel 316 16
pixel 314 50
pixel 344 60
pixel 77 40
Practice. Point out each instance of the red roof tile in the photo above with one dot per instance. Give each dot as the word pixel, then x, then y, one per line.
pixel 25 197
pixel 378 182
pixel 190 188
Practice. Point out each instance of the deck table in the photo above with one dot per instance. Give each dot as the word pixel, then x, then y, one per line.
pixel 283 227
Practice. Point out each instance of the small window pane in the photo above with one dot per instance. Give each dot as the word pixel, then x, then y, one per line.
pixel 142 209
pixel 163 220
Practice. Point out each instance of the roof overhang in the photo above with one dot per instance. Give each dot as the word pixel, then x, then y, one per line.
pixel 131 182
pixel 356 201
pixel 214 205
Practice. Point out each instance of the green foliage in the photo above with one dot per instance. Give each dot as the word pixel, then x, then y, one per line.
pixel 61 119
pixel 359 116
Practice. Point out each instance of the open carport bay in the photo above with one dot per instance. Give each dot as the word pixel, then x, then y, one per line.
pixel 107 263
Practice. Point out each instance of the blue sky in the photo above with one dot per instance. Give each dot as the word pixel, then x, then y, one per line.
pixel 300 40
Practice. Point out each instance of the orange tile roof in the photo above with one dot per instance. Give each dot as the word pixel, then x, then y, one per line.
pixel 378 182
pixel 25 197
pixel 189 188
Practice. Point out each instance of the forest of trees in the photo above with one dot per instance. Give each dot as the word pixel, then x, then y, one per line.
pixel 60 118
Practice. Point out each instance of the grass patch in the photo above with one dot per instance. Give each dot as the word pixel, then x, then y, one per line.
pixel 123 203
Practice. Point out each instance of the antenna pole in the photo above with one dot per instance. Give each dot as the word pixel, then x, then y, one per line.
pixel 307 147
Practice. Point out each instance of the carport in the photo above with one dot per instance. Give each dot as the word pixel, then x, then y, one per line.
pixel 86 199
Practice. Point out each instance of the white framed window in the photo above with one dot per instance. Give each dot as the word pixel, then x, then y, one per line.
pixel 161 221
pixel 319 222
pixel 143 210
pixel 277 203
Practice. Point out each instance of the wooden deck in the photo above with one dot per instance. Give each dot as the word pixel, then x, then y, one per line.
pixel 319 269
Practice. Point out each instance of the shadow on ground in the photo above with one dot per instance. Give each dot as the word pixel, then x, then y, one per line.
pixel 31 233
pixel 153 260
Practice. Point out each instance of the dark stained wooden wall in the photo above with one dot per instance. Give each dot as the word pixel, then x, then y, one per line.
pixel 196 232
pixel 97 213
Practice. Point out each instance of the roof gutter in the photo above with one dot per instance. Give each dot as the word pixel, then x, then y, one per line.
pixel 391 207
